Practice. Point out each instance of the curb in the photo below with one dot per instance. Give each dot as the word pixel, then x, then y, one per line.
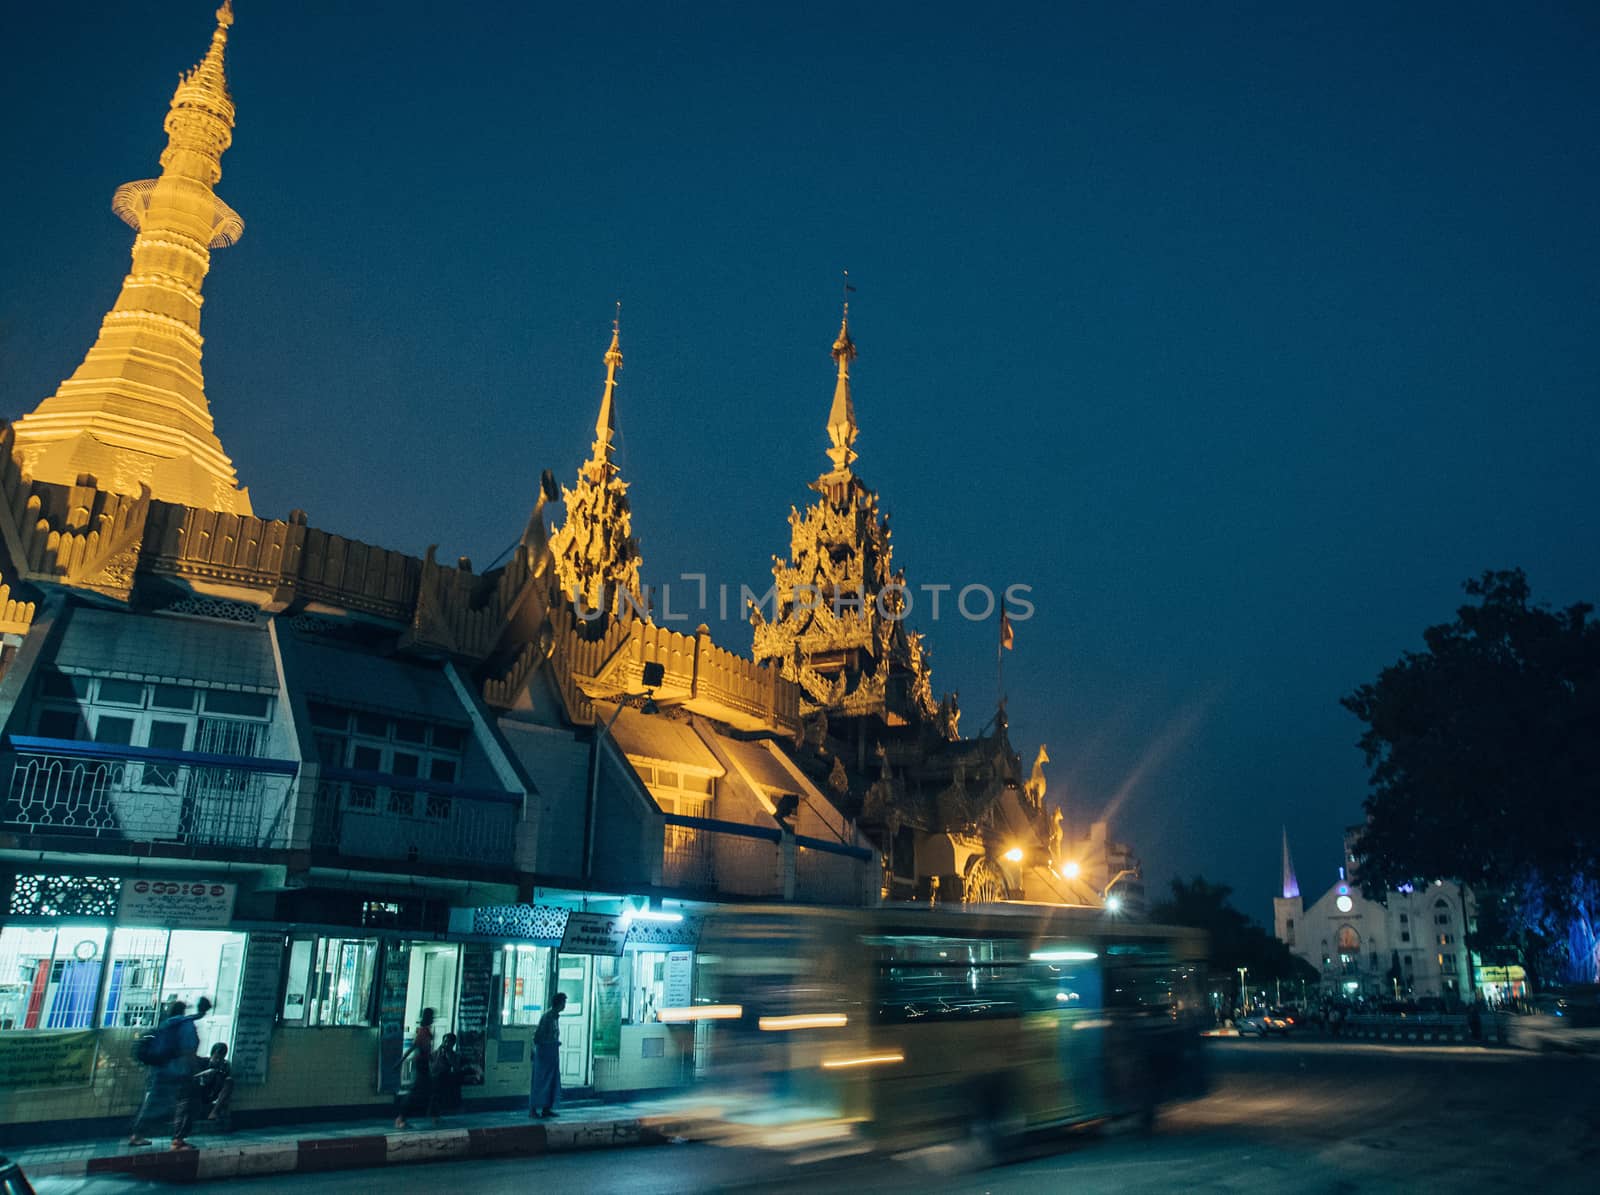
pixel 365 1151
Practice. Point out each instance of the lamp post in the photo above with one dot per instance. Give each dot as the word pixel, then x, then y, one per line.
pixel 1106 898
pixel 1244 992
pixel 654 674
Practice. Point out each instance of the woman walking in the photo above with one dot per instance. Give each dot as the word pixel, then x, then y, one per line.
pixel 420 1097
pixel 547 1061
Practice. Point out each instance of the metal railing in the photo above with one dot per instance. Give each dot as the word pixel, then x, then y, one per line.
pixel 377 815
pixel 140 794
pixel 830 873
pixel 728 857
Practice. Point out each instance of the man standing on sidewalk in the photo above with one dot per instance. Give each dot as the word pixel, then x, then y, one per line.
pixel 172 1069
pixel 547 1060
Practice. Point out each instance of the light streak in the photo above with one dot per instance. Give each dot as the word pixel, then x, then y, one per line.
pixel 810 1020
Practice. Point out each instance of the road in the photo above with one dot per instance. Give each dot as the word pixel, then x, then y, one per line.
pixel 1282 1116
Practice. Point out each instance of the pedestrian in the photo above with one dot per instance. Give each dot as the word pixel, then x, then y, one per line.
pixel 173 1059
pixel 214 1088
pixel 546 1089
pixel 419 1098
pixel 449 1073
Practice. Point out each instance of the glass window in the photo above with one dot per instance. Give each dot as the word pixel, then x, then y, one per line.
pixel 238 705
pixel 50 978
pixel 329 717
pixel 133 993
pixel 524 976
pixel 442 770
pixel 172 697
pixel 121 692
pixel 408 730
pixel 112 729
pixel 697 784
pixel 59 684
pixel 372 726
pixel 62 724
pixel 340 990
pixel 406 764
pixel 449 738
pixel 299 979
pixel 165 736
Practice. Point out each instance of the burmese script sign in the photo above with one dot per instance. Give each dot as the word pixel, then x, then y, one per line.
pixel 258 1008
pixel 593 933
pixel 46 1059
pixel 176 904
pixel 472 1009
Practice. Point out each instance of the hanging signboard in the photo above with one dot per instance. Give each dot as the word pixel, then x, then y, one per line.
pixel 680 976
pixel 46 1059
pixel 593 933
pixel 258 1007
pixel 176 904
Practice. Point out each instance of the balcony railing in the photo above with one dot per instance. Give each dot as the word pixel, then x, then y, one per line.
pixel 735 859
pixel 830 873
pixel 727 857
pixel 377 815
pixel 140 794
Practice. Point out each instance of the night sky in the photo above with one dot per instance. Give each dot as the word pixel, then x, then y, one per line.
pixel 1242 333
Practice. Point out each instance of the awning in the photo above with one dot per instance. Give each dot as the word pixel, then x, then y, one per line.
pixel 661 739
pixel 354 679
pixel 167 649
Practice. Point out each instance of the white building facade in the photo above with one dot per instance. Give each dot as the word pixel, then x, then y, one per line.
pixel 1411 945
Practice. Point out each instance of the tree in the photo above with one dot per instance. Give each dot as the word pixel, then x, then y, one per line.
pixel 1484 750
pixel 1236 941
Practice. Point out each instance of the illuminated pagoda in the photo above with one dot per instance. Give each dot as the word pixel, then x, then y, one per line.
pixel 134 414
pixel 952 817
pixel 595 554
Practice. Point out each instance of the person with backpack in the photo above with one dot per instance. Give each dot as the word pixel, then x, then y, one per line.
pixel 171 1056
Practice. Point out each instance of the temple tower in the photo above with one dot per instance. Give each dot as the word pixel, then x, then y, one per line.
pixel 838 627
pixel 595 554
pixel 135 412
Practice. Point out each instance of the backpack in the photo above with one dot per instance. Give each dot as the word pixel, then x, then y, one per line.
pixel 153 1049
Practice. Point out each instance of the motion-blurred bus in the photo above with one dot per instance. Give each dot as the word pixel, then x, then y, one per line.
pixel 977 1024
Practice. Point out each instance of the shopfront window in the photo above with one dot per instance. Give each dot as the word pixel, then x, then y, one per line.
pixel 524 978
pixel 133 995
pixel 331 981
pixel 50 977
pixel 431 983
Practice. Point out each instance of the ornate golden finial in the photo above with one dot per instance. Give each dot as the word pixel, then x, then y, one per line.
pixel 842 415
pixel 225 14
pixel 605 426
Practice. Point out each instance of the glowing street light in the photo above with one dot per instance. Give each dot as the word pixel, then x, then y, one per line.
pixel 1014 855
pixel 1070 869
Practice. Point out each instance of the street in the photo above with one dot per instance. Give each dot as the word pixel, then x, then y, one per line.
pixel 1306 1116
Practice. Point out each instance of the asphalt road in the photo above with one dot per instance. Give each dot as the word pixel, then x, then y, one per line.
pixel 1282 1117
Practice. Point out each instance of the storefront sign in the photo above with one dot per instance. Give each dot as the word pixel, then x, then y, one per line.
pixel 680 975
pixel 176 904
pixel 258 1005
pixel 472 1010
pixel 392 1013
pixel 46 1059
pixel 593 933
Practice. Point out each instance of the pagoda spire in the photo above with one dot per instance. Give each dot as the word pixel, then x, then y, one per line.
pixel 595 555
pixel 605 426
pixel 842 428
pixel 135 413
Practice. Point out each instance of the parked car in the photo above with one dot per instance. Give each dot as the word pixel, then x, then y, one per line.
pixel 1261 1023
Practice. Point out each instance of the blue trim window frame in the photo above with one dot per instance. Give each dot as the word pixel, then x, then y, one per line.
pixel 373 750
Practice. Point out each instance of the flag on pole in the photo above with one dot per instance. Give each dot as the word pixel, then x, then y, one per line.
pixel 1007 639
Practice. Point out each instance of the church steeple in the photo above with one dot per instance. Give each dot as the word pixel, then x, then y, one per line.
pixel 842 415
pixel 135 412
pixel 595 555
pixel 1291 886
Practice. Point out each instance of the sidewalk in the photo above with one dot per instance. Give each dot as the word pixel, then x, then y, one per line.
pixel 315 1147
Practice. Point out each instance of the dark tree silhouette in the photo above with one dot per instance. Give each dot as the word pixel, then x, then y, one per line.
pixel 1484 751
pixel 1236 941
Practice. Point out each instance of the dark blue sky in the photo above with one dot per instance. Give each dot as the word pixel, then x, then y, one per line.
pixel 1241 333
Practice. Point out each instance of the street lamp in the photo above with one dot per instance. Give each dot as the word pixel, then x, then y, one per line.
pixel 654 674
pixel 1113 903
pixel 1244 992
